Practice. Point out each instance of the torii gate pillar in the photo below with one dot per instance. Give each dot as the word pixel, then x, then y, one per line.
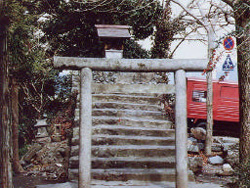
pixel 84 180
pixel 181 129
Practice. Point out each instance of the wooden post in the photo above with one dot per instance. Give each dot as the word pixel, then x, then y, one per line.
pixel 17 167
pixel 85 129
pixel 181 130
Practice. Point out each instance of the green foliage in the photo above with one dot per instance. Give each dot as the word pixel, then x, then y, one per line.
pixel 10 9
pixel 133 50
pixel 32 68
pixel 166 28
pixel 26 126
pixel 24 149
pixel 70 27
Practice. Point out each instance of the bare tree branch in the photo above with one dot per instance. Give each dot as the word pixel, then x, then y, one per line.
pixel 189 13
pixel 182 40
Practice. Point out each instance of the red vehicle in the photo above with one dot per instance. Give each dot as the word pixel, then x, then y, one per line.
pixel 225 103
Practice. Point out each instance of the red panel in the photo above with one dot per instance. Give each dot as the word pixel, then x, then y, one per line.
pixel 225 100
pixel 196 99
pixel 229 92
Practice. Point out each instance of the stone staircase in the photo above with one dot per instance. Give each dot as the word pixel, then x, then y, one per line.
pixel 132 140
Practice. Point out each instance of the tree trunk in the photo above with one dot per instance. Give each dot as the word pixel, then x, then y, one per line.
pixel 242 19
pixel 5 131
pixel 243 42
pixel 15 122
pixel 209 127
pixel 209 135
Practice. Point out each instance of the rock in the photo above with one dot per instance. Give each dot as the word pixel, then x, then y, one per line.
pixel 49 158
pixel 210 169
pixel 232 158
pixel 216 160
pixel 28 166
pixel 23 163
pixel 193 148
pixel 232 154
pixel 195 164
pixel 52 176
pixel 33 173
pixel 192 140
pixel 59 165
pixel 59 185
pixel 56 138
pixel 201 146
pixel 192 145
pixel 231 140
pixel 217 147
pixel 52 153
pixel 227 170
pixel 199 133
pixel 32 152
pixel 43 140
pixel 232 147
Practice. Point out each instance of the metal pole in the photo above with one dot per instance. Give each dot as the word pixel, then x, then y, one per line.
pixel 85 129
pixel 181 130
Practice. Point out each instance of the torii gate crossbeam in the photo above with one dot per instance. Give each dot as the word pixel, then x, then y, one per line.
pixel 86 65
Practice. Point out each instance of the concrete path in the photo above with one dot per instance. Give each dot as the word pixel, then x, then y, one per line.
pixel 130 184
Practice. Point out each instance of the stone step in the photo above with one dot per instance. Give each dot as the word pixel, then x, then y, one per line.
pixel 125 174
pixel 126 140
pixel 129 113
pixel 125 162
pixel 126 131
pixel 136 99
pixel 105 139
pixel 128 151
pixel 136 131
pixel 131 121
pixel 122 105
pixel 131 140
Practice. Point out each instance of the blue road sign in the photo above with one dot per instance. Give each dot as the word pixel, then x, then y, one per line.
pixel 228 43
pixel 228 64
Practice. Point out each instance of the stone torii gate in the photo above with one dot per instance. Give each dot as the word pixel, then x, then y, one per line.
pixel 86 65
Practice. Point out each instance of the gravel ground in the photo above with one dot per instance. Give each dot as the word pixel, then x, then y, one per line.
pixel 202 181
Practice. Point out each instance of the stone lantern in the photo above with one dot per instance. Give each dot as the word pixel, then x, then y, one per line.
pixel 58 128
pixel 113 37
pixel 57 137
pixel 41 126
